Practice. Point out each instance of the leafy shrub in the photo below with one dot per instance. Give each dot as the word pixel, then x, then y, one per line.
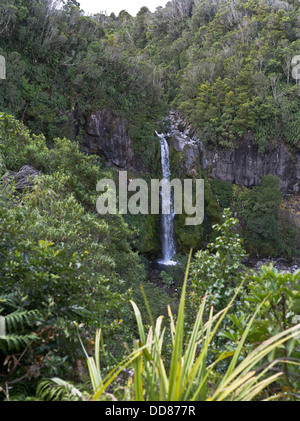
pixel 218 270
pixel 259 210
pixel 222 191
pixel 277 297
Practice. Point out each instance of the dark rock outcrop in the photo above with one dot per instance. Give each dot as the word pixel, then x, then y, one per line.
pixel 107 136
pixel 244 165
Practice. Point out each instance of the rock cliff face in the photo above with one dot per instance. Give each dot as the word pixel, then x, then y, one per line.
pixel 107 136
pixel 243 165
pixel 246 166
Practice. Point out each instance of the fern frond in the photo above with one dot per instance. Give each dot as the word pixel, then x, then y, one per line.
pixel 15 342
pixel 20 318
pixel 12 325
pixel 59 390
pixel 8 298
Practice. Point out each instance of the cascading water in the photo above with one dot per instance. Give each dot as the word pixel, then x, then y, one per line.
pixel 167 220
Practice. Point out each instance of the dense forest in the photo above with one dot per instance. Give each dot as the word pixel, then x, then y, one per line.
pixel 84 97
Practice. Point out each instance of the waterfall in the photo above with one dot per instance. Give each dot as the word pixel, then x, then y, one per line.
pixel 167 220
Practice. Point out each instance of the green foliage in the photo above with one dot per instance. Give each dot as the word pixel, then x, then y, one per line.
pixel 218 270
pixel 196 236
pixel 146 228
pixel 189 377
pixel 53 279
pixel 166 278
pixel 66 275
pixel 224 79
pixel 259 209
pixel 227 67
pixel 18 148
pixel 187 235
pixel 59 390
pixel 55 249
pixel 14 322
pixel 61 65
pixel 279 294
pixel 223 192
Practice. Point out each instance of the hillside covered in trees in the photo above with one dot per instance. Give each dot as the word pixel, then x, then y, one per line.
pixel 226 65
pixel 84 97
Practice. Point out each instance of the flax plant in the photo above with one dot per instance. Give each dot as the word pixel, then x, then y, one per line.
pixel 189 376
